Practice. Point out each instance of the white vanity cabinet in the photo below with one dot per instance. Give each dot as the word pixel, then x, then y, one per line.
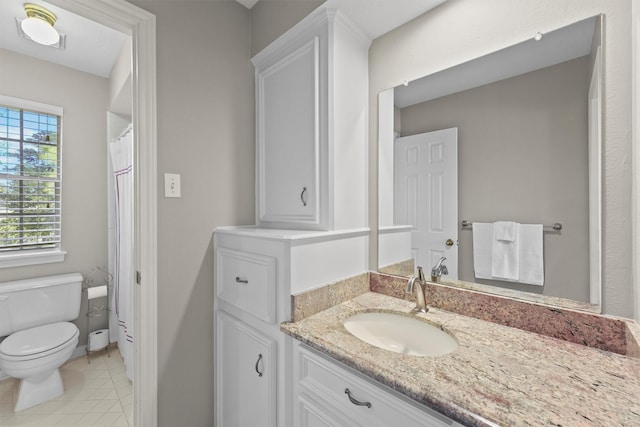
pixel 256 272
pixel 246 360
pixel 311 126
pixel 330 394
pixel 250 352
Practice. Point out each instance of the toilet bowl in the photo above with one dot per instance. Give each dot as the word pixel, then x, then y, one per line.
pixel 38 339
pixel 34 356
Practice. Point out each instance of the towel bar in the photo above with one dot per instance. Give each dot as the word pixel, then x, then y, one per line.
pixel 555 227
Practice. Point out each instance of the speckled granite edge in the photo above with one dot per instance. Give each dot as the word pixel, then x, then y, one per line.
pixel 633 348
pixel 588 329
pixel 633 336
pixel 526 297
pixel 308 303
pixel 403 268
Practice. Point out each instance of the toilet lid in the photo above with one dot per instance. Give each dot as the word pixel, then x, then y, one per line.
pixel 39 339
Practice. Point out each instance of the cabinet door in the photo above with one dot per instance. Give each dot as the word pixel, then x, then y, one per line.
pixel 245 375
pixel 288 139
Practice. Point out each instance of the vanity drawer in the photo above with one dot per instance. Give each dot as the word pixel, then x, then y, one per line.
pixel 247 281
pixel 328 381
pixel 314 414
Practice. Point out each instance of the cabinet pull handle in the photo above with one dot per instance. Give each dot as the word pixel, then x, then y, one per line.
pixel 302 198
pixel 257 363
pixel 243 281
pixel 354 401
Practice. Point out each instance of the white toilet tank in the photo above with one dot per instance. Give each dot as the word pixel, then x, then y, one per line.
pixel 39 301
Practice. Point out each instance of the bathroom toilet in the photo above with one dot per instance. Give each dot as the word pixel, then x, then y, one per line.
pixel 38 338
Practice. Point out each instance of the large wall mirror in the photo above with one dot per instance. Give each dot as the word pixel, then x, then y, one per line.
pixel 512 136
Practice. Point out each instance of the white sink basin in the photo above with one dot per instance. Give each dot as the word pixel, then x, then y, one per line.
pixel 401 334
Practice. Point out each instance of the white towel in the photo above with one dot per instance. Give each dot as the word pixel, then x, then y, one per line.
pixel 531 254
pixel 505 263
pixel 505 230
pixel 482 242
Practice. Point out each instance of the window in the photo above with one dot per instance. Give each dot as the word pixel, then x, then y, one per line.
pixel 30 180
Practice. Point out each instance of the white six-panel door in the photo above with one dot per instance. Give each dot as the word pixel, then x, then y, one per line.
pixel 426 195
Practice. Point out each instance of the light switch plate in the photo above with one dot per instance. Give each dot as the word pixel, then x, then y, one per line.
pixel 171 185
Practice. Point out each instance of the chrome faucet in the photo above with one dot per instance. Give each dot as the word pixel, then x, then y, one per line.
pixel 438 270
pixel 421 304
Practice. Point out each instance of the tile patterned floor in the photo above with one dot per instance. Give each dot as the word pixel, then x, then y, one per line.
pixel 96 394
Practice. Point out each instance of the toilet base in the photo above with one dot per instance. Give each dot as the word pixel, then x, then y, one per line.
pixel 34 391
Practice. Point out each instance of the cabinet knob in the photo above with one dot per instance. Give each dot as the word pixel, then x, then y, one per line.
pixel 303 199
pixel 243 281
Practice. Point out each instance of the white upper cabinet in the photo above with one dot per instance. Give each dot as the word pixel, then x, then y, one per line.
pixel 289 138
pixel 312 112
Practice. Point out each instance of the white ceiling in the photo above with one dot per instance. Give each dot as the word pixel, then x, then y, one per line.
pixel 564 44
pixel 94 48
pixel 90 47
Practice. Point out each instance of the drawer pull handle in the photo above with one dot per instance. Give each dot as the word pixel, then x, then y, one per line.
pixel 257 363
pixel 354 401
pixel 302 198
pixel 243 281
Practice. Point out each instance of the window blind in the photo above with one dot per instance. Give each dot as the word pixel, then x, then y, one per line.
pixel 30 179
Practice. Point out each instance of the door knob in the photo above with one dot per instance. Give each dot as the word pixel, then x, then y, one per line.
pixel 449 242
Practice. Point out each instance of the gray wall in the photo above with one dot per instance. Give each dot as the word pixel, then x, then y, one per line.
pixel 522 156
pixel 205 133
pixel 84 98
pixel 272 18
pixel 460 30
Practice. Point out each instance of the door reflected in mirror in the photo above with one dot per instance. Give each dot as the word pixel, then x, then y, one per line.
pixel 528 137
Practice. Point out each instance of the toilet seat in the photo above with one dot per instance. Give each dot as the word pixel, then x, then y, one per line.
pixel 38 342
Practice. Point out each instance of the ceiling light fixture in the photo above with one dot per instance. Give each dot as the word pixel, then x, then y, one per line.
pixel 39 25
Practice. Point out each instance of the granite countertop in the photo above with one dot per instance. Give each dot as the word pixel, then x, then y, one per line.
pixel 498 375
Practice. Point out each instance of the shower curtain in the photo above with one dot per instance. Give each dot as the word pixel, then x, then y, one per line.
pixel 121 300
